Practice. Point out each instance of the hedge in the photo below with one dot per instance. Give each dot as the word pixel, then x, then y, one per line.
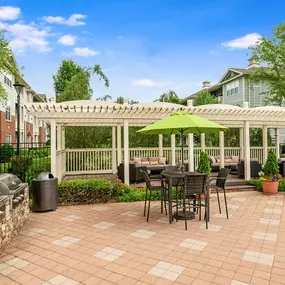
pixel 72 192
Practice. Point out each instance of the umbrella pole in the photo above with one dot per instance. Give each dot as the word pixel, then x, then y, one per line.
pixel 182 149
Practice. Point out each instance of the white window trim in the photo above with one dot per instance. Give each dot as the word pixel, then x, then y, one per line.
pixel 10 138
pixel 10 116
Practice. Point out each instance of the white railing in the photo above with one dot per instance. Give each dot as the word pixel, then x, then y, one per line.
pixel 100 160
pixel 89 160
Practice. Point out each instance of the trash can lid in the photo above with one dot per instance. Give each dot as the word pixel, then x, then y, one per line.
pixel 45 176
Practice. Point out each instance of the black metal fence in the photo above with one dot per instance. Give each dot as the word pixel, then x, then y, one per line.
pixel 27 162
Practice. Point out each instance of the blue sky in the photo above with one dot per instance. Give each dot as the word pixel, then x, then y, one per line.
pixel 145 47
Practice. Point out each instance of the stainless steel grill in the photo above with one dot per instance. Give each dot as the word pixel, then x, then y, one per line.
pixel 12 186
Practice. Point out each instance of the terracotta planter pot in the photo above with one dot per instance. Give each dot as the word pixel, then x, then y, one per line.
pixel 270 187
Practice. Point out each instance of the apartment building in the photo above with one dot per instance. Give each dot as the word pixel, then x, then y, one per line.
pixel 32 130
pixel 235 88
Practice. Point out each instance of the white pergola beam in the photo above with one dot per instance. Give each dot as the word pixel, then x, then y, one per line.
pixel 246 151
pixel 126 153
pixel 114 160
pixel 265 143
pixel 222 149
pixel 119 144
pixel 191 166
pixel 53 147
pixel 173 154
pixel 203 142
pixel 277 142
pixel 160 145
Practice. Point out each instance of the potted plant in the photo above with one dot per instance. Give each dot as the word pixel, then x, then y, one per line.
pixel 269 175
pixel 204 165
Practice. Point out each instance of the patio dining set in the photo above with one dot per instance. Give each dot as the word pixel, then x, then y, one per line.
pixel 191 193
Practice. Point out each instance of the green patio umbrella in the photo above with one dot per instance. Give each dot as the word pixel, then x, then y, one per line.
pixel 182 123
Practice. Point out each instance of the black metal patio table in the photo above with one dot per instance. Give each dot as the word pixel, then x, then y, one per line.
pixel 169 177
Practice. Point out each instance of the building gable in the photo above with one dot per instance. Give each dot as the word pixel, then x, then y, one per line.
pixel 230 74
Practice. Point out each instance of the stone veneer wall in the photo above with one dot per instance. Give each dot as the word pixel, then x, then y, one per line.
pixel 14 220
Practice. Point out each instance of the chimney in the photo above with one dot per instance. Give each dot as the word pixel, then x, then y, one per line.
pixel 52 100
pixel 253 62
pixel 206 84
pixel 189 103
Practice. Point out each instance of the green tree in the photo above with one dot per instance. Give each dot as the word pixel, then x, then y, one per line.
pixel 170 97
pixel 205 98
pixel 7 63
pixel 105 98
pixel 270 52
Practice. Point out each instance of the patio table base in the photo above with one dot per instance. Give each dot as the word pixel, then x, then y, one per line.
pixel 181 215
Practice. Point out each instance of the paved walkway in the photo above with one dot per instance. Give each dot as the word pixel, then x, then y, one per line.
pixel 113 244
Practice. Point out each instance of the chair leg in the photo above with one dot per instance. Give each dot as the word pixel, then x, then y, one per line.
pixel 185 212
pixel 218 197
pixel 200 207
pixel 145 202
pixel 165 197
pixel 176 206
pixel 225 197
pixel 206 212
pixel 148 210
pixel 161 201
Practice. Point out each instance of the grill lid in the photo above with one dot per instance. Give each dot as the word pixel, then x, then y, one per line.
pixel 8 182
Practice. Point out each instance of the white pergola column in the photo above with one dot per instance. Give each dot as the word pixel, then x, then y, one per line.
pixel 53 147
pixel 114 160
pixel 58 155
pixel 172 142
pixel 62 137
pixel 241 140
pixel 160 145
pixel 222 149
pixel 246 151
pixel 119 144
pixel 203 142
pixel 126 152
pixel 63 160
pixel 58 137
pixel 277 142
pixel 190 152
pixel 265 143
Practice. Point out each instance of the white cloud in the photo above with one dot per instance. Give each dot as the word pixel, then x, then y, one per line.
pixel 84 52
pixel 27 37
pixel 243 42
pixel 149 83
pixel 8 13
pixel 73 20
pixel 67 40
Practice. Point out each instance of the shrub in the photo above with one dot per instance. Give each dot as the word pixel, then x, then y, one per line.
pixel 39 152
pixel 84 191
pixel 270 170
pixel 6 152
pixel 38 166
pixel 20 166
pixel 282 155
pixel 204 163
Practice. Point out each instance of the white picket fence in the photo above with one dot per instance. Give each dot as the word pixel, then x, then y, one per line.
pixel 99 160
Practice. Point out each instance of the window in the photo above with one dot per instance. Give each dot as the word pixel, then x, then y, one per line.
pixel 232 88
pixel 8 138
pixel 7 81
pixel 8 112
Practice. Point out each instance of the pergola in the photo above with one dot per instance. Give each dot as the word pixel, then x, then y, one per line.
pixel 100 113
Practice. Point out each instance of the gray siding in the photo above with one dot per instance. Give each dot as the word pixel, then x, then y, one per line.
pixel 236 99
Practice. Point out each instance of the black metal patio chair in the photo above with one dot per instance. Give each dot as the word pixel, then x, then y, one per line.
pixel 220 184
pixel 152 188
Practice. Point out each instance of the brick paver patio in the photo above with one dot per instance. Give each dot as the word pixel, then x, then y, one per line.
pixel 113 244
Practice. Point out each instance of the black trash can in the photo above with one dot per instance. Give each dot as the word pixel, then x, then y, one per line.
pixel 45 193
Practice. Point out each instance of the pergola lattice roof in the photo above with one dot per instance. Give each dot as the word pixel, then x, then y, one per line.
pixel 94 112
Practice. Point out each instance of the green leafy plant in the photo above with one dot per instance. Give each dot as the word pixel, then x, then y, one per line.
pixel 204 165
pixel 84 191
pixel 6 152
pixel 270 170
pixel 38 166
pixel 20 166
